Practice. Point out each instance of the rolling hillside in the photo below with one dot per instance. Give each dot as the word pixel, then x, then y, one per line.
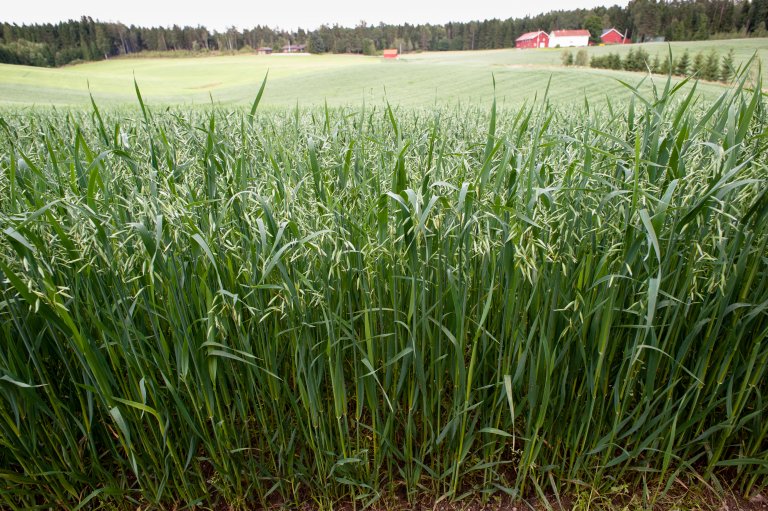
pixel 414 80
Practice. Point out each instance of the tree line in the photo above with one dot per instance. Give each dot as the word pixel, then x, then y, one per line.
pixel 710 66
pixel 87 39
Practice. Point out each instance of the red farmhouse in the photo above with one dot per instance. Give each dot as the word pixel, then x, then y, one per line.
pixel 613 36
pixel 538 39
pixel 390 53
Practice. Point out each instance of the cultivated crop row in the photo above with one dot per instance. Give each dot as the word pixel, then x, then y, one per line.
pixel 311 305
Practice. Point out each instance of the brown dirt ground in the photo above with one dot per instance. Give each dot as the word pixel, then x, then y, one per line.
pixel 682 500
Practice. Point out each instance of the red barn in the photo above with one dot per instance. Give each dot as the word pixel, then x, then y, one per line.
pixel 613 36
pixel 538 39
pixel 390 53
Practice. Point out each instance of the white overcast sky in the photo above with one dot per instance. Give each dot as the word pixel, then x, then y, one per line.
pixel 288 14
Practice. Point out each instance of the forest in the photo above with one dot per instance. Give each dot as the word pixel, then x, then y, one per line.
pixel 88 39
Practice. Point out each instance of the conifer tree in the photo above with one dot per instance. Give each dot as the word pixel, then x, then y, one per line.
pixel 712 67
pixel 629 60
pixel 566 57
pixel 615 59
pixel 582 58
pixel 643 58
pixel 683 63
pixel 726 69
pixel 698 65
pixel 667 67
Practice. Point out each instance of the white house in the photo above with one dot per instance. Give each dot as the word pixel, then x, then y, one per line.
pixel 568 38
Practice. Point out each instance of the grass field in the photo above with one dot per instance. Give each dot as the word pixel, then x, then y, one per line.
pixel 415 80
pixel 342 307
pixel 454 299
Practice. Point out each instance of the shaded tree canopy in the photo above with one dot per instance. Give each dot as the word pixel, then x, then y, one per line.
pixel 594 24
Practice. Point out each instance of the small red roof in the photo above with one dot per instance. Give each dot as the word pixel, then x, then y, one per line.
pixel 570 33
pixel 608 31
pixel 528 35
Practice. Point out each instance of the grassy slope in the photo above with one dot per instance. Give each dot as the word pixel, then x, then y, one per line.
pixel 234 311
pixel 420 79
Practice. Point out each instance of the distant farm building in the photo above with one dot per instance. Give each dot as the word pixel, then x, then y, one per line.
pixel 264 50
pixel 294 48
pixel 613 36
pixel 538 39
pixel 390 53
pixel 568 38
